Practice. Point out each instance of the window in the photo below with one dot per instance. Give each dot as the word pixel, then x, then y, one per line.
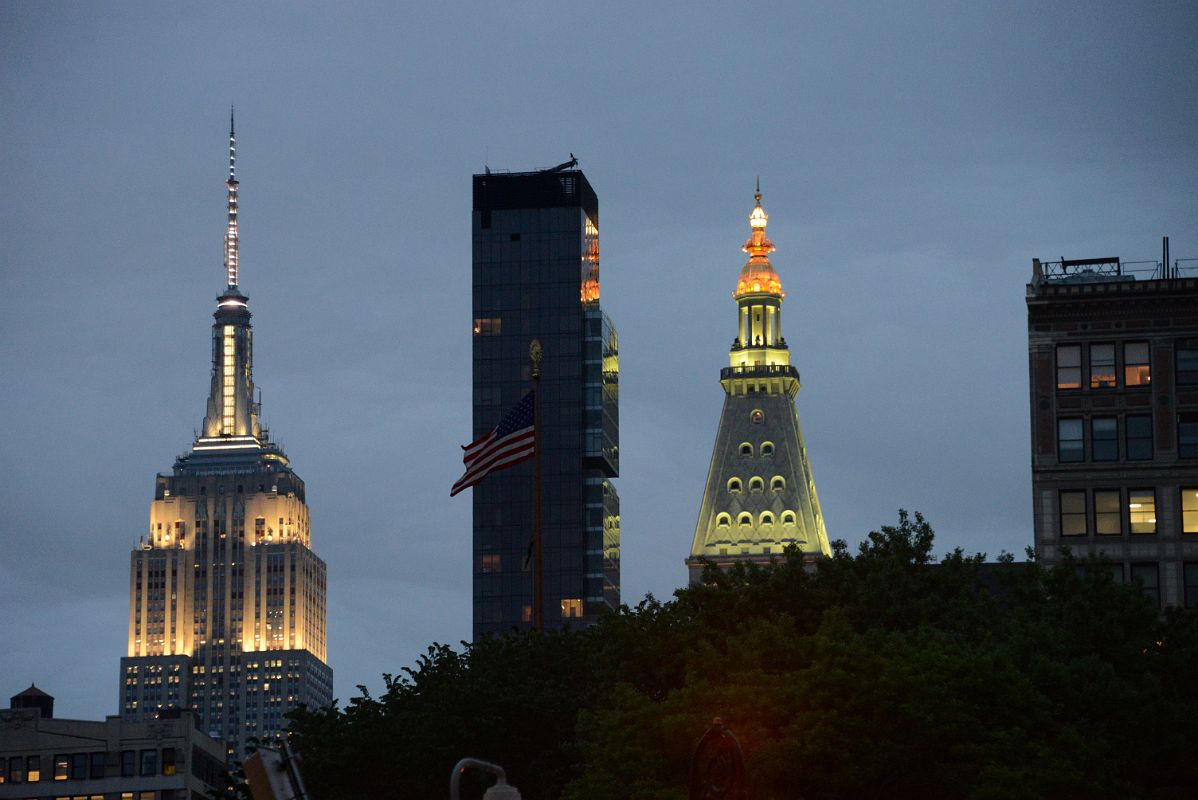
pixel 746 449
pixel 168 761
pixel 1108 511
pixel 62 767
pixel 488 563
pixel 1189 509
pixel 788 518
pixel 33 769
pixel 1069 366
pixel 1104 439
pixel 96 769
pixel 767 518
pixel 128 763
pixel 1141 510
pixel 149 763
pixel 744 520
pixel 1073 513
pixel 767 448
pixel 756 484
pixel 723 520
pixel 1187 435
pixel 1137 428
pixel 1137 371
pixel 1190 576
pixel 1187 363
pixel 1102 366
pixel 79 766
pixel 571 608
pixel 777 483
pixel 1148 576
pixel 734 485
pixel 1070 447
pixel 757 416
pixel 487 326
pixel 16 769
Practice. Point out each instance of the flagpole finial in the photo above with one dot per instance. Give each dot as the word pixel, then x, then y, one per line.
pixel 534 353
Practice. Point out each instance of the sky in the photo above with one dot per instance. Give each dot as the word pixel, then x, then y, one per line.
pixel 914 158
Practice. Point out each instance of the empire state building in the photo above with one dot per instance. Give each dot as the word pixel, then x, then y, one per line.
pixel 226 596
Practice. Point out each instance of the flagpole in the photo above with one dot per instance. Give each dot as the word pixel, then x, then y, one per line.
pixel 538 586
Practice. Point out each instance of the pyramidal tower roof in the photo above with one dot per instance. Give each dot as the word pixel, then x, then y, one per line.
pixel 760 494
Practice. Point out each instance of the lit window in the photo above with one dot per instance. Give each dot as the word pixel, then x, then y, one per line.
pixel 1190 576
pixel 1138 432
pixel 1069 366
pixel 1104 439
pixel 757 416
pixel 1148 576
pixel 746 449
pixel 777 483
pixel 745 520
pixel 1073 513
pixel 33 769
pixel 1187 435
pixel 1102 366
pixel 788 518
pixel 1136 369
pixel 1187 363
pixel 489 563
pixel 488 326
pixel 1189 509
pixel 734 485
pixel 723 520
pixel 62 767
pixel 1108 511
pixel 1070 447
pixel 756 484
pixel 1141 510
pixel 168 761
pixel 571 608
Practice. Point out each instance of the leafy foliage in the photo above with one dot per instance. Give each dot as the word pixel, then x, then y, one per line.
pixel 882 673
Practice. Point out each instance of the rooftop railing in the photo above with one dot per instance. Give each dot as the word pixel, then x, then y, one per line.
pixel 1108 269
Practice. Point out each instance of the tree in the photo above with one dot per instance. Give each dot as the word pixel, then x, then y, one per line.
pixel 883 673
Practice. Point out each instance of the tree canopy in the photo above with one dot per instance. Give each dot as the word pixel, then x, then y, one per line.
pixel 881 673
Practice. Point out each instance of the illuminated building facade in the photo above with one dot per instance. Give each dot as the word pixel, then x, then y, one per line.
pixel 536 275
pixel 226 597
pixel 760 496
pixel 1113 364
pixel 111 759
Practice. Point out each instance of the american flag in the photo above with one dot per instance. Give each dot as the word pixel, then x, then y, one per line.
pixel 509 443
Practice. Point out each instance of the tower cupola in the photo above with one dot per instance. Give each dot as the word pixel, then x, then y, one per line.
pixel 759 295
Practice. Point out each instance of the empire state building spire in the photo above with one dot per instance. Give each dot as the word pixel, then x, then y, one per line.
pixel 232 411
pixel 231 241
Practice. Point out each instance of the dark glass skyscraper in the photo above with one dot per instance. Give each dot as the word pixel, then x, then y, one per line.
pixel 536 275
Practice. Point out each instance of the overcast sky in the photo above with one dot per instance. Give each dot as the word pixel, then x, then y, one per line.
pixel 913 162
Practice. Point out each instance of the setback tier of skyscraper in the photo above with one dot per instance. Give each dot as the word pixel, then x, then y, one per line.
pixel 536 275
pixel 760 495
pixel 226 596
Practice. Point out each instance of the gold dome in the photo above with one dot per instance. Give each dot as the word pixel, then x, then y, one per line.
pixel 758 275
